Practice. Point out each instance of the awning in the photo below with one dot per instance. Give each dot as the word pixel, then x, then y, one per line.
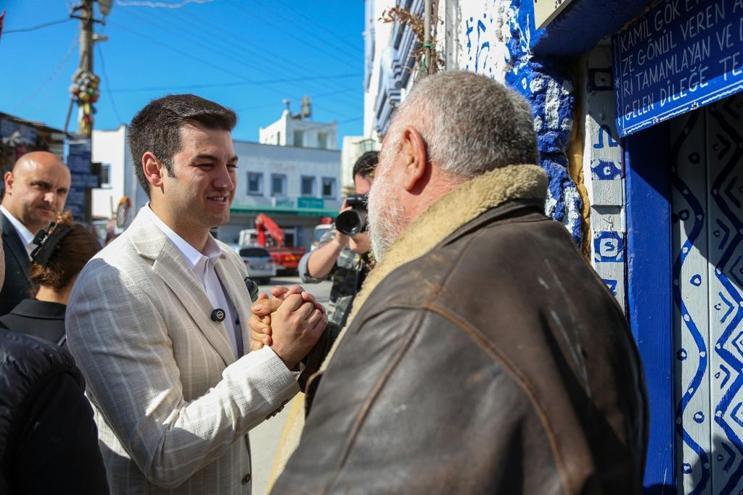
pixel 281 210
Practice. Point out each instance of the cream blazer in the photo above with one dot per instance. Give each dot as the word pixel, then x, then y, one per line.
pixel 172 403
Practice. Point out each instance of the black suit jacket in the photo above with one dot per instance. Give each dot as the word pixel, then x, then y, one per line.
pixel 41 319
pixel 17 268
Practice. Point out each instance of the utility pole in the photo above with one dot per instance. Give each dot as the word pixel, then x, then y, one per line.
pixel 86 35
pixel 84 82
pixel 427 45
pixel 84 93
pixel 428 62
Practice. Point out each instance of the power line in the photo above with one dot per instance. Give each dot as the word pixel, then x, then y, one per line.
pixel 276 60
pixel 37 27
pixel 232 84
pixel 303 40
pixel 52 76
pixel 108 86
pixel 185 53
pixel 159 5
pixel 215 41
pixel 214 44
pixel 314 96
pixel 353 119
pixel 177 50
pixel 300 20
pixel 198 27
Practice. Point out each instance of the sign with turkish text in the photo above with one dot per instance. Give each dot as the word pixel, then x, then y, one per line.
pixel 283 202
pixel 678 56
pixel 306 202
pixel 78 159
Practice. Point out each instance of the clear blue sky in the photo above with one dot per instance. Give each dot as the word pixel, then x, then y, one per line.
pixel 245 54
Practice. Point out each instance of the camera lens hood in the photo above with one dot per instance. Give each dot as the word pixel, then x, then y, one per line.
pixel 351 222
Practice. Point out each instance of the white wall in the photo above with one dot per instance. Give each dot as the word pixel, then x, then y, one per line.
pixel 274 133
pixel 377 38
pixel 480 32
pixel 353 148
pixel 294 163
pixel 281 132
pixel 291 161
pixel 112 148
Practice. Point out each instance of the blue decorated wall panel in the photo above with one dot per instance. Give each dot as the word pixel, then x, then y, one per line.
pixel 690 301
pixel 494 38
pixel 725 275
pixel 603 173
pixel 707 149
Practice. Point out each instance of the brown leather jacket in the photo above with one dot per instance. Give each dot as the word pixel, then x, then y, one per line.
pixel 496 363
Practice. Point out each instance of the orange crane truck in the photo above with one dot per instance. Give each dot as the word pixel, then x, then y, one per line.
pixel 269 235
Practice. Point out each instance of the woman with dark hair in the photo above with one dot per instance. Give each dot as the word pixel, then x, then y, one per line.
pixel 48 439
pixel 62 251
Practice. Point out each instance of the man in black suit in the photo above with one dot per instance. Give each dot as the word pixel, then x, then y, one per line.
pixel 35 192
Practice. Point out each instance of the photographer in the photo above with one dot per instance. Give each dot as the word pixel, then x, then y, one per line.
pixel 342 256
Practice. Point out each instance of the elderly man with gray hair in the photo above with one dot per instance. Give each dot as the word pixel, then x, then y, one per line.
pixel 483 354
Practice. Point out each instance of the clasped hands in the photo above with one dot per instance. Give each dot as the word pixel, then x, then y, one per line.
pixel 290 322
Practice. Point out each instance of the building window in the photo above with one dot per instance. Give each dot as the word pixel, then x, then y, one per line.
pixel 322 140
pixel 298 138
pixel 105 175
pixel 308 186
pixel 328 187
pixel 255 184
pixel 278 137
pixel 278 185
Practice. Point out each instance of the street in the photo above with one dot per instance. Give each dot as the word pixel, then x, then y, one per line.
pixel 265 438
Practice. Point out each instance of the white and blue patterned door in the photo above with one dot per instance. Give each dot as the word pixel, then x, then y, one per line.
pixel 707 196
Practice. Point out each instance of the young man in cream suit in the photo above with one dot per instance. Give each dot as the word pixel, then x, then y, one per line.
pixel 157 321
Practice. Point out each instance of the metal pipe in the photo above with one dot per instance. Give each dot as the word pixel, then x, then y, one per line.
pixel 428 49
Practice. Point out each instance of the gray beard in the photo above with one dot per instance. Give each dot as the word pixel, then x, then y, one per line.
pixel 385 219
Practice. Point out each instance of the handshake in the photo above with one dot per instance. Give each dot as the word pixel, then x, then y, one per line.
pixel 291 322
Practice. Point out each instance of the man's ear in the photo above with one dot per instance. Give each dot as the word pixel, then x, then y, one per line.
pixel 153 169
pixel 8 179
pixel 414 151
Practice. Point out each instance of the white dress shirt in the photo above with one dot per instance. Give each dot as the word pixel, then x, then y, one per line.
pixel 203 267
pixel 26 235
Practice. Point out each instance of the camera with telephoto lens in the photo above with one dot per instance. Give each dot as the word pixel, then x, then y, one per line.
pixel 353 221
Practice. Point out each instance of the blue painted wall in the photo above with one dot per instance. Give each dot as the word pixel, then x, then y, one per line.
pixel 649 301
pixel 538 72
pixel 550 90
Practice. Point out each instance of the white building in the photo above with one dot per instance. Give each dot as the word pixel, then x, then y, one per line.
pixel 294 186
pixel 119 180
pixel 353 148
pixel 390 66
pixel 297 130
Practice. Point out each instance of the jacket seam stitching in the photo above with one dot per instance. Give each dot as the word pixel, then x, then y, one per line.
pixel 362 415
pixel 483 342
pixel 521 380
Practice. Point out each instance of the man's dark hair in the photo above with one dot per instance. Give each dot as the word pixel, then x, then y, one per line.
pixel 157 127
pixel 366 164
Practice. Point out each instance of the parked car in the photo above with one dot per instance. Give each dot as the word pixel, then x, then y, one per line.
pixel 320 230
pixel 259 263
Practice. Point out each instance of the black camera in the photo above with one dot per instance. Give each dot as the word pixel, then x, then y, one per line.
pixel 353 221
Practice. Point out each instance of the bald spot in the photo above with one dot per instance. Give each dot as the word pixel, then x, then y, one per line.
pixel 41 159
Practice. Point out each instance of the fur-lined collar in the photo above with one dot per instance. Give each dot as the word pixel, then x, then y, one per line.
pixel 445 216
